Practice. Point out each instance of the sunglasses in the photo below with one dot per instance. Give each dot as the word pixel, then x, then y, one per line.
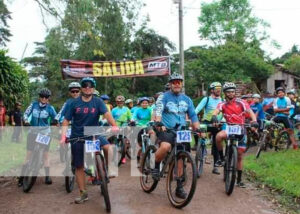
pixel 43 96
pixel 74 91
pixel 176 82
pixel 87 84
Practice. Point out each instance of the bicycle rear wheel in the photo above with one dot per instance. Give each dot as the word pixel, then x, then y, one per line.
pixel 199 159
pixel 100 164
pixel 261 144
pixel 231 164
pixel 148 184
pixel 188 179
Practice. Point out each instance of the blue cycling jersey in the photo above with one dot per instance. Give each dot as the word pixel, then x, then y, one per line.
pixel 142 116
pixel 61 114
pixel 173 109
pixel 282 103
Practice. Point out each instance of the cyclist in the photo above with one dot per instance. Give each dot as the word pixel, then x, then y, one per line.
pixel 129 103
pixel 258 111
pixel 84 111
pixel 2 117
pixel 142 117
pixel 282 106
pixel 151 103
pixel 16 120
pixel 209 104
pixel 171 109
pixel 40 111
pixel 122 116
pixel 106 99
pixel 96 93
pixel 134 108
pixel 292 95
pixel 74 92
pixel 234 110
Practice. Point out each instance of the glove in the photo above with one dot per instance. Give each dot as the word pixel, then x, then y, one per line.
pixel 254 124
pixel 214 119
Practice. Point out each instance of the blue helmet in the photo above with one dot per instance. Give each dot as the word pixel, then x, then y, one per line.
pixel 88 79
pixel 105 97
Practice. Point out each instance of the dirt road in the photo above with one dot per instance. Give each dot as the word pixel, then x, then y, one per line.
pixel 127 197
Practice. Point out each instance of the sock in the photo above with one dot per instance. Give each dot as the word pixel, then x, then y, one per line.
pixel 221 155
pixel 239 176
pixel 157 165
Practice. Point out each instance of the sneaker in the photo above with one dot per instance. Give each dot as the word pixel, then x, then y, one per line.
pixel 216 171
pixel 155 174
pixel 82 198
pixel 20 182
pixel 241 185
pixel 180 193
pixel 123 160
pixel 48 180
pixel 218 164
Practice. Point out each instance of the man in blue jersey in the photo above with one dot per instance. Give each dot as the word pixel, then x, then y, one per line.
pixel 40 112
pixel 282 106
pixel 209 104
pixel 171 109
pixel 84 111
pixel 258 111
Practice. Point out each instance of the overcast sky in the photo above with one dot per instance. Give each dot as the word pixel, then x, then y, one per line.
pixel 283 16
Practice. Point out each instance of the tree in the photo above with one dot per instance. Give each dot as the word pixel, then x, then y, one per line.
pixel 230 20
pixel 281 60
pixel 13 80
pixel 4 29
pixel 293 64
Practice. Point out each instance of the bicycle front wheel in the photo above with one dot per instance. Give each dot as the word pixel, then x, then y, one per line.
pixel 102 175
pixel 186 178
pixel 199 159
pixel 230 173
pixel 261 144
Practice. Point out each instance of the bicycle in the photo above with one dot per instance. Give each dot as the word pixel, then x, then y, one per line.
pixel 234 132
pixel 101 173
pixel 173 158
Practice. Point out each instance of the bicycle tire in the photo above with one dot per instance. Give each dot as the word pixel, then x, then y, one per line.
pixel 283 141
pixel 187 158
pixel 119 150
pixel 146 170
pixel 261 144
pixel 199 159
pixel 231 167
pixel 100 164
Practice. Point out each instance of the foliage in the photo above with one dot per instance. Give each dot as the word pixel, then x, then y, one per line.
pixel 230 20
pixel 4 29
pixel 279 170
pixel 293 64
pixel 280 60
pixel 13 80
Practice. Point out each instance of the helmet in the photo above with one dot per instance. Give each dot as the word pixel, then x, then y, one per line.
pixel 292 91
pixel 256 96
pixel 120 98
pixel 45 92
pixel 151 99
pixel 96 93
pixel 88 79
pixel 228 85
pixel 175 76
pixel 105 97
pixel 74 85
pixel 215 84
pixel 280 89
pixel 128 101
pixel 143 99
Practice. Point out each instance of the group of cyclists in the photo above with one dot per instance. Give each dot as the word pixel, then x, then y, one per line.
pixel 172 108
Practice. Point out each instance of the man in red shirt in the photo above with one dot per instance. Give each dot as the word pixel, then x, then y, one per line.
pixel 2 117
pixel 234 111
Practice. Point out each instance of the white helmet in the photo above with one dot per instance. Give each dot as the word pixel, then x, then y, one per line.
pixel 74 85
pixel 256 96
pixel 228 85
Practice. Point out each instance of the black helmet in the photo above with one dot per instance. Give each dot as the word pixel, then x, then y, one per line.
pixel 175 76
pixel 280 89
pixel 45 92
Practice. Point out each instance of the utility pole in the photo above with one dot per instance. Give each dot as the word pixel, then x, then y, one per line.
pixel 181 52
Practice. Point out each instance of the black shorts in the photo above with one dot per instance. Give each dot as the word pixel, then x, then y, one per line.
pixel 170 137
pixel 285 121
pixel 31 142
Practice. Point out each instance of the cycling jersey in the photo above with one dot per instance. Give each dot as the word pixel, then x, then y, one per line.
pixel 84 114
pixel 257 107
pixel 133 109
pixel 282 103
pixel 142 116
pixel 60 116
pixel 121 115
pixel 209 107
pixel 234 110
pixel 173 109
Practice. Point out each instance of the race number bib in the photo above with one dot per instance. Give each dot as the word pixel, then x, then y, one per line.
pixel 183 136
pixel 68 134
pixel 92 146
pixel 42 139
pixel 233 130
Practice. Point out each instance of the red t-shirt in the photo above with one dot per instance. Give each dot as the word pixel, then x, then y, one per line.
pixel 234 111
pixel 2 115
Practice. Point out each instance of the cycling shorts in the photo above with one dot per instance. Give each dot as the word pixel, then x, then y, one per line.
pixel 285 121
pixel 170 137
